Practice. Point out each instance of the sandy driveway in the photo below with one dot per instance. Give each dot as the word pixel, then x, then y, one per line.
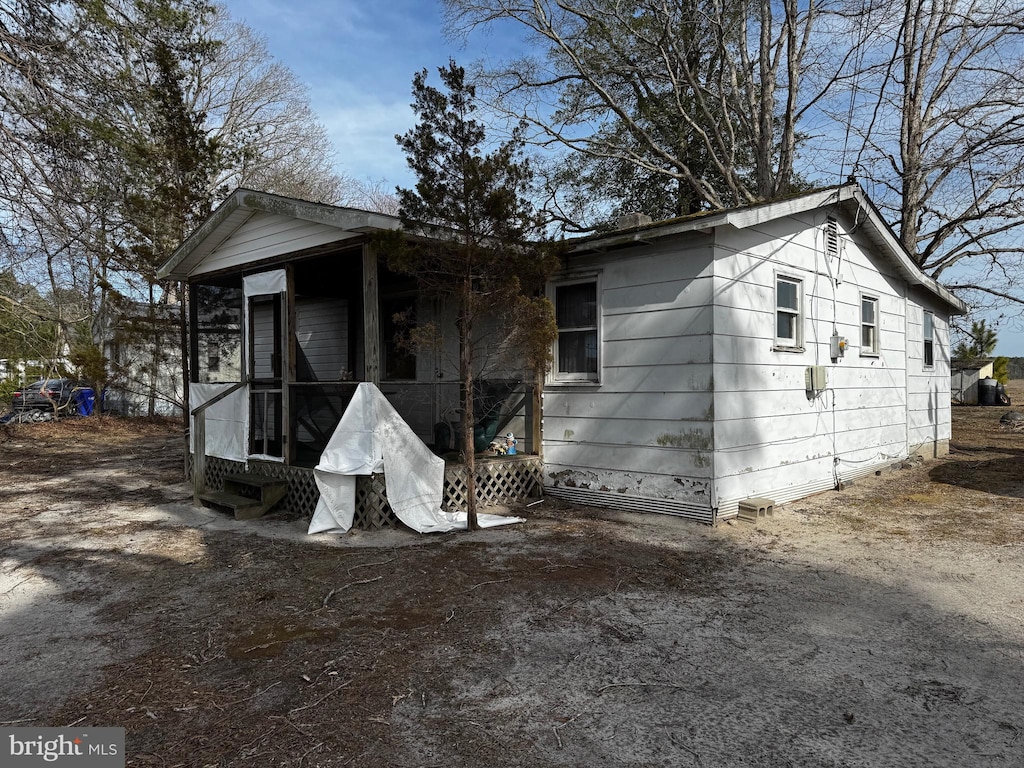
pixel 878 626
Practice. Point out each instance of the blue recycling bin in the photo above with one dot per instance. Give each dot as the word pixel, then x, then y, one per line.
pixel 85 401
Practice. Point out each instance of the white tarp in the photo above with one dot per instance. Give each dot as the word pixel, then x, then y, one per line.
pixel 373 437
pixel 226 421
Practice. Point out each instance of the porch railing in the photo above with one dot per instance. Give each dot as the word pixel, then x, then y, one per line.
pixel 199 441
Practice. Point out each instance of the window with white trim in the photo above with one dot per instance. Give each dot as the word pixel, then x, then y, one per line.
pixel 788 313
pixel 869 342
pixel 929 339
pixel 577 347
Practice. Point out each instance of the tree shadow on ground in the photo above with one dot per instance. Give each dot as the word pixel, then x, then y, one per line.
pixel 999 476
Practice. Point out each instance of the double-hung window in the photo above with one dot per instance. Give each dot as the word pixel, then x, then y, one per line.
pixel 929 339
pixel 577 348
pixel 869 343
pixel 788 313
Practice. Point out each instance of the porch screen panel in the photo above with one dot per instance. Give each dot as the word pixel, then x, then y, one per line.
pixel 218 327
pixel 264 345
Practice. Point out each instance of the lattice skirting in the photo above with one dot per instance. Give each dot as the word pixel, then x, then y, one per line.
pixel 507 480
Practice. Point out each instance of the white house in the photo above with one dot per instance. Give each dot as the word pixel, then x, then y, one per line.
pixel 771 351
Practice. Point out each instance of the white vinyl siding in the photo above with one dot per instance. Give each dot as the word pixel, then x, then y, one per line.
pixel 265 235
pixel 642 435
pixel 771 438
pixel 322 334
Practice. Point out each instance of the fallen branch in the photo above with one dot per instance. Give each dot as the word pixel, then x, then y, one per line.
pixel 289 722
pixel 693 752
pixel 249 698
pixel 485 583
pixel 303 757
pixel 333 592
pixel 555 728
pixel 321 699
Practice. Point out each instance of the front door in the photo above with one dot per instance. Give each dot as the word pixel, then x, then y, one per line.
pixel 265 365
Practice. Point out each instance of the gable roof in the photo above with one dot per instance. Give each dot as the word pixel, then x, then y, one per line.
pixel 243 204
pixel 848 197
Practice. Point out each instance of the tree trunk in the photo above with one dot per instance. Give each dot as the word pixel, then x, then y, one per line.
pixel 468 417
pixel 154 360
pixel 185 349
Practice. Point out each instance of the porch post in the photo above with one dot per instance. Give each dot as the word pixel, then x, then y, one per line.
pixel 371 317
pixel 290 352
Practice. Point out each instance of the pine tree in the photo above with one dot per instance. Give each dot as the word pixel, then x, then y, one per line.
pixel 481 250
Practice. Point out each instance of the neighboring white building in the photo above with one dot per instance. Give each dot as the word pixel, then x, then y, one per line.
pixel 965 375
pixel 142 346
pixel 697 366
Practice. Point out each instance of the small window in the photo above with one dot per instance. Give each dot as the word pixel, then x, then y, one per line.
pixel 869 326
pixel 788 313
pixel 929 339
pixel 576 352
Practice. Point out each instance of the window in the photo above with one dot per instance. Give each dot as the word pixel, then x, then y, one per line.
pixel 869 344
pixel 216 316
pixel 788 313
pixel 576 352
pixel 929 339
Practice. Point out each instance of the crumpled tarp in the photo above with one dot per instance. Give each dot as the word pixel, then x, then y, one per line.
pixel 373 437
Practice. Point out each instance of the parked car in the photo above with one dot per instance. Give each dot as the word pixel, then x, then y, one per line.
pixel 47 392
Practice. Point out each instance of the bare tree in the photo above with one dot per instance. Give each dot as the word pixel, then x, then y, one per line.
pixel 121 124
pixel 944 140
pixel 705 93
pixel 371 195
pixel 259 112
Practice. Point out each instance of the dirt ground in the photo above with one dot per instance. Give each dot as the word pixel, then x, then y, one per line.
pixel 882 625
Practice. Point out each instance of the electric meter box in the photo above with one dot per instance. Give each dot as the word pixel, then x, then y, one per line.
pixel 838 347
pixel 815 378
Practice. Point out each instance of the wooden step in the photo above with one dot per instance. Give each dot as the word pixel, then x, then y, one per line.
pixel 244 507
pixel 248 495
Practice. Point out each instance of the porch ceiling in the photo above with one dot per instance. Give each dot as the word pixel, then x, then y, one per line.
pixel 243 204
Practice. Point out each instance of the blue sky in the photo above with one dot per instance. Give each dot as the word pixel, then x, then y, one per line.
pixel 358 59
